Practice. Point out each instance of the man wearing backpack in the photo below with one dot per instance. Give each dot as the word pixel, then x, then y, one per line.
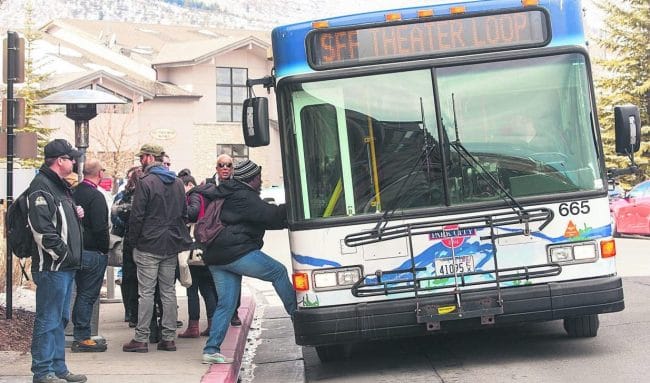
pixel 55 222
pixel 158 233
pixel 90 278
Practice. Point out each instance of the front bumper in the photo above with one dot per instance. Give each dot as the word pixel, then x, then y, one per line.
pixel 397 318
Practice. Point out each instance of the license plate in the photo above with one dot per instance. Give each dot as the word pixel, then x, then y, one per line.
pixel 449 266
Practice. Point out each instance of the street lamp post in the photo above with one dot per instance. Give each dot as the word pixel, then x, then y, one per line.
pixel 81 106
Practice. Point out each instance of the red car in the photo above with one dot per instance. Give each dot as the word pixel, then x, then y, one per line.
pixel 631 214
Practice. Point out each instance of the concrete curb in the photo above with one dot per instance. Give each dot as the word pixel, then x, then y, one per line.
pixel 233 346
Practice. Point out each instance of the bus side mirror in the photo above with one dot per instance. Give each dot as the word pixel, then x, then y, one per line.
pixel 255 121
pixel 627 128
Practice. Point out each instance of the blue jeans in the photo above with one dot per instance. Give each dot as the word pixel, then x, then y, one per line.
pixel 227 279
pixel 53 291
pixel 89 283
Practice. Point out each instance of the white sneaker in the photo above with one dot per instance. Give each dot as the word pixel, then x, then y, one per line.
pixel 216 358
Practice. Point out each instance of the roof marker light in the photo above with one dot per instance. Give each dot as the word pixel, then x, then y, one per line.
pixel 320 24
pixel 529 3
pixel 393 16
pixel 422 13
pixel 457 10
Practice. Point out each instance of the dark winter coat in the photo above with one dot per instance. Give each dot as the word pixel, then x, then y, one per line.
pixel 158 213
pixel 51 213
pixel 246 217
pixel 95 220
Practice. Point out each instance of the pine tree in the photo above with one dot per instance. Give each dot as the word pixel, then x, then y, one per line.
pixel 626 75
pixel 32 89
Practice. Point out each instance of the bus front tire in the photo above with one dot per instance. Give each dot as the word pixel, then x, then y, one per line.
pixel 582 327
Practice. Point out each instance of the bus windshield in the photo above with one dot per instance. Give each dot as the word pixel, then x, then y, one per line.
pixel 368 144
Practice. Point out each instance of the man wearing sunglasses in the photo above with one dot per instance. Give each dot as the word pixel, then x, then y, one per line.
pixel 56 224
pixel 158 232
pixel 225 172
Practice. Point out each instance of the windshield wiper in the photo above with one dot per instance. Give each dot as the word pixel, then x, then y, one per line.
pixel 476 165
pixel 428 146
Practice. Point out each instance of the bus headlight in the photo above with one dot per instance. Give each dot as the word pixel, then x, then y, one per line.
pixel 576 252
pixel 335 279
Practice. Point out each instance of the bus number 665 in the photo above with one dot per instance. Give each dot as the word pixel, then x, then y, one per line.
pixel 574 208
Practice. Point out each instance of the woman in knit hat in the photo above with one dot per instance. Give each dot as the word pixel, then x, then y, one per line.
pixel 236 250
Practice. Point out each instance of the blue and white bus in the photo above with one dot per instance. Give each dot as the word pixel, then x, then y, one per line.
pixel 443 170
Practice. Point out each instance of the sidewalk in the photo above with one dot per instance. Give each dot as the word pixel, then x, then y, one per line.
pixel 114 365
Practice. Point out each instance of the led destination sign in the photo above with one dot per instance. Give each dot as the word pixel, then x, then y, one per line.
pixel 350 47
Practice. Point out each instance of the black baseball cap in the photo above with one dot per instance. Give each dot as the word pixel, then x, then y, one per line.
pixel 60 147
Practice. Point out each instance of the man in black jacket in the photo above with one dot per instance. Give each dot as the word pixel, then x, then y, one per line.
pixel 95 247
pixel 236 251
pixel 157 230
pixel 55 223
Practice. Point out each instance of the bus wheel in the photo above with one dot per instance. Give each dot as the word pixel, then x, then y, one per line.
pixel 582 327
pixel 333 352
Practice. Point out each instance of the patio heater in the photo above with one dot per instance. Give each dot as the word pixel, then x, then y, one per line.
pixel 80 106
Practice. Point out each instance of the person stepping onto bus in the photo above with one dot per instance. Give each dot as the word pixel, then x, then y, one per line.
pixel 236 251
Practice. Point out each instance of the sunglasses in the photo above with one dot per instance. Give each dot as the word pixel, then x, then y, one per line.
pixel 66 158
pixel 167 163
pixel 228 165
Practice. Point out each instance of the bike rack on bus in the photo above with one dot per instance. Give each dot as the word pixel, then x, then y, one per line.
pixel 407 280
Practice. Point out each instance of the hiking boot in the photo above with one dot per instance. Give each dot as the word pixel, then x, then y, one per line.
pixel 206 332
pixel 167 345
pixel 70 377
pixel 235 321
pixel 135 346
pixel 88 345
pixel 49 378
pixel 216 358
pixel 192 330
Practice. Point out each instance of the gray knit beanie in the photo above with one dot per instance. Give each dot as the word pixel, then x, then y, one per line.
pixel 245 170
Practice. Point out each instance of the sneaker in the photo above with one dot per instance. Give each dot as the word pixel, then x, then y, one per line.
pixel 216 358
pixel 135 346
pixel 235 321
pixel 88 345
pixel 49 378
pixel 167 345
pixel 70 377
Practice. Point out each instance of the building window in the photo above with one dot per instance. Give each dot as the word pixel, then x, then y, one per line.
pixel 238 152
pixel 231 92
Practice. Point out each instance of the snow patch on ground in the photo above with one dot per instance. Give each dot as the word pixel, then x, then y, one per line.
pixel 23 298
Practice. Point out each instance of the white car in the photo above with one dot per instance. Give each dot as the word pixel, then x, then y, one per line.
pixel 274 194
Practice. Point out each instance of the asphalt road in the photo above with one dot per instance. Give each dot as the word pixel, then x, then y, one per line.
pixel 528 353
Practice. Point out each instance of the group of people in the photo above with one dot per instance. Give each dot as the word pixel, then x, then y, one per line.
pixel 154 214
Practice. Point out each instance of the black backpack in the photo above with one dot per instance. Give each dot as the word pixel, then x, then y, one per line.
pixel 19 234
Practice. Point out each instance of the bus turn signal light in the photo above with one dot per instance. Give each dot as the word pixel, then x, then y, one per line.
pixel 300 281
pixel 529 3
pixel 608 248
